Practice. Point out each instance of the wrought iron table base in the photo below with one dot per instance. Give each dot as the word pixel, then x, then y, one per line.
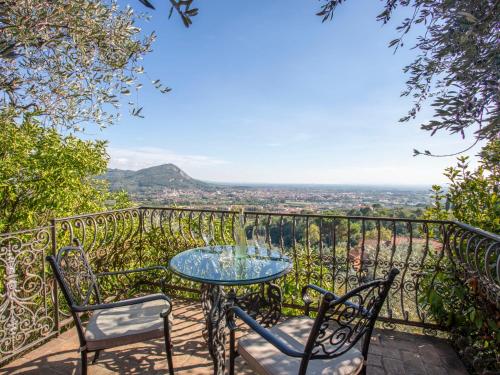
pixel 263 305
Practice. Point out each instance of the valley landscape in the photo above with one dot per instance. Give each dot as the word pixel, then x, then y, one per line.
pixel 168 185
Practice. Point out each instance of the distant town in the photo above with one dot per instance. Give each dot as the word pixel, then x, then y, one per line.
pixel 168 185
pixel 290 198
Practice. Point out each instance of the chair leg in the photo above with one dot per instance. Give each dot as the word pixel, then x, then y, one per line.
pixel 84 362
pixel 232 353
pixel 168 346
pixel 96 357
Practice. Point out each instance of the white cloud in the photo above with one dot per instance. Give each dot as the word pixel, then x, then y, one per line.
pixel 283 167
pixel 143 157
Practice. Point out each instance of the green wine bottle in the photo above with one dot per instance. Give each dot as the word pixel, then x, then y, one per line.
pixel 240 236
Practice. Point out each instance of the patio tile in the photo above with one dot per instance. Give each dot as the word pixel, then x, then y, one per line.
pixel 375 370
pixel 390 353
pixel 374 360
pixel 434 370
pixel 393 366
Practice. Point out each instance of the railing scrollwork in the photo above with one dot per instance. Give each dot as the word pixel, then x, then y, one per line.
pixel 337 253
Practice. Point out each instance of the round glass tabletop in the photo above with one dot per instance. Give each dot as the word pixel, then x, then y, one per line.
pixel 219 265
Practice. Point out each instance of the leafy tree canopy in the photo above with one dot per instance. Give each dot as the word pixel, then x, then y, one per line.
pixel 69 60
pixel 474 195
pixel 458 65
pixel 46 175
pixel 182 7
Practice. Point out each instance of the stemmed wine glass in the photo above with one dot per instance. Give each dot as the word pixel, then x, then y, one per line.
pixel 208 234
pixel 260 240
pixel 251 245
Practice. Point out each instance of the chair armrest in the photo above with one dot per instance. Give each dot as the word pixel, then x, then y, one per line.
pixel 307 298
pixel 163 280
pixel 281 345
pixel 355 306
pixel 125 302
pixel 317 289
pixel 145 269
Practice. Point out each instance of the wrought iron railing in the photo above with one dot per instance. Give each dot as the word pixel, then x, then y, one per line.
pixel 476 258
pixel 335 252
pixel 28 314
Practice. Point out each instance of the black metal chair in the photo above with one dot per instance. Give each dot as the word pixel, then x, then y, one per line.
pixel 111 324
pixel 324 345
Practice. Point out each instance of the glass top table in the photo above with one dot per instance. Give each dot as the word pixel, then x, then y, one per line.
pixel 219 265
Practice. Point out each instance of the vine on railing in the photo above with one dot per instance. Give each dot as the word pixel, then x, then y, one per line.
pixel 335 252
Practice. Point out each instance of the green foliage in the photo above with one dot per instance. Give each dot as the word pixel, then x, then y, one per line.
pixel 475 194
pixel 44 174
pixel 437 210
pixel 70 61
pixel 385 234
pixel 473 199
pixel 457 65
pixel 473 323
pixel 183 8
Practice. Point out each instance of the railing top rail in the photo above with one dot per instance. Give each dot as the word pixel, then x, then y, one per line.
pixel 96 214
pixel 489 235
pixel 290 214
pixel 481 232
pixel 24 231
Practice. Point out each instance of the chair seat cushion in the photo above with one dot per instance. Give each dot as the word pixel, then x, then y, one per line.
pixel 125 325
pixel 264 358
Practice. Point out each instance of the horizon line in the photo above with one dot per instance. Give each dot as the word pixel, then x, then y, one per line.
pixel 316 184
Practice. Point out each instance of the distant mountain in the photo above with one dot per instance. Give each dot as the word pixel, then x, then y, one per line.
pixel 152 179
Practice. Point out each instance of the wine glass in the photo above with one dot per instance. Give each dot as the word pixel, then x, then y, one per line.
pixel 261 240
pixel 248 233
pixel 208 234
pixel 206 238
pixel 275 250
pixel 226 256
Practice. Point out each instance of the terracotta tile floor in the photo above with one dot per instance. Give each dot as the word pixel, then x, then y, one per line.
pixel 390 353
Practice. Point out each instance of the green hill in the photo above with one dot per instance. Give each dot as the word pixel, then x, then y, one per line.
pixel 155 178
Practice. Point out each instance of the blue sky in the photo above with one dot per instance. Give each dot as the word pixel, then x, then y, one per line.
pixel 264 92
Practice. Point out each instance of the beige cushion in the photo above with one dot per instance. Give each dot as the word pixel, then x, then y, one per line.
pixel 125 325
pixel 265 359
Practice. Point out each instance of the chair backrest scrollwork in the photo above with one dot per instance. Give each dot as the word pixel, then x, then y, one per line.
pixel 342 321
pixel 76 280
pixel 75 274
